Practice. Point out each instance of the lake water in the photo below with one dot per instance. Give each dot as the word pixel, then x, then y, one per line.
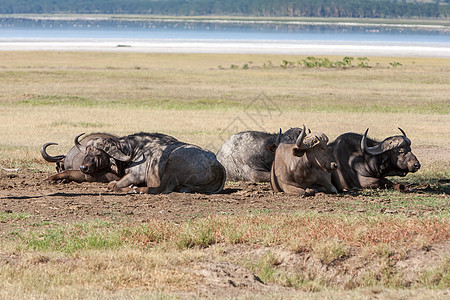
pixel 224 37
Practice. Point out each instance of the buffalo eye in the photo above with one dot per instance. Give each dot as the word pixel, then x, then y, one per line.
pixel 401 151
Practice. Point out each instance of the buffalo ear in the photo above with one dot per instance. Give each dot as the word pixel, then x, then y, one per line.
pixel 271 148
pixel 298 152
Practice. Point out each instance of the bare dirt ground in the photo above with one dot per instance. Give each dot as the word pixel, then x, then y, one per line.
pixel 27 192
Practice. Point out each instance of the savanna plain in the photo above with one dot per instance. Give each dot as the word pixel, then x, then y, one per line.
pixel 72 240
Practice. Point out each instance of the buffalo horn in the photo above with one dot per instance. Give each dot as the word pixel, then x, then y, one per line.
pixel 375 150
pixel 80 147
pixel 387 144
pixel 404 135
pixel 300 138
pixel 48 157
pixel 278 138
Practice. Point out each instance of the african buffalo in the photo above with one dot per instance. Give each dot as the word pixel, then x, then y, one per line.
pixel 364 163
pixel 155 163
pixel 68 166
pixel 248 155
pixel 301 168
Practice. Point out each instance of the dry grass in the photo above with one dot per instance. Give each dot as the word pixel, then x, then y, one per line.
pixel 155 78
pixel 54 96
pixel 159 256
pixel 49 96
pixel 95 274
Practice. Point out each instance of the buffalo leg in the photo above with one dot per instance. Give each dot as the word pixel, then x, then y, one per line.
pixel 125 184
pixel 78 176
pixel 167 185
pixel 149 190
pixel 294 190
pixel 291 187
pixel 324 185
pixel 387 184
pixel 71 175
pixel 375 183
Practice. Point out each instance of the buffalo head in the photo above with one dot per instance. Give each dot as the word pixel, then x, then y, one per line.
pixel 314 146
pixel 395 152
pixel 100 154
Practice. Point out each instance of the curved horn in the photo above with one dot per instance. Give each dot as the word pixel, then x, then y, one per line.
pixel 278 138
pixel 48 157
pixel 300 138
pixel 375 150
pixel 78 145
pixel 404 135
pixel 387 144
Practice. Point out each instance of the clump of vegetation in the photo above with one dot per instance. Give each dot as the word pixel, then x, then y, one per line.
pixel 395 64
pixel 330 250
pixel 311 62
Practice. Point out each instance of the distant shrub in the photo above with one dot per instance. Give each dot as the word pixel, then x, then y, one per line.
pixel 395 64
pixel 315 62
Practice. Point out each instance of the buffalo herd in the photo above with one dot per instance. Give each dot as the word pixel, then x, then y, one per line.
pixel 296 161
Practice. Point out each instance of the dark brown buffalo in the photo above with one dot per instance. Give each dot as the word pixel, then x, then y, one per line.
pixel 68 166
pixel 155 163
pixel 364 163
pixel 248 155
pixel 301 168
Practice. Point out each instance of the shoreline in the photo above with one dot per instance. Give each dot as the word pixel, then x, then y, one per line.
pixel 229 47
pixel 407 23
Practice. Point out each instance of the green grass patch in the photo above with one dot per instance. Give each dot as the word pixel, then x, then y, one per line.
pixel 79 124
pixel 376 202
pixel 90 236
pixel 309 104
pixel 316 105
pixel 268 230
pixel 12 216
pixel 52 100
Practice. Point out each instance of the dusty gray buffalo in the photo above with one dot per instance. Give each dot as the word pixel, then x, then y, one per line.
pixel 364 163
pixel 249 155
pixel 301 168
pixel 68 166
pixel 156 163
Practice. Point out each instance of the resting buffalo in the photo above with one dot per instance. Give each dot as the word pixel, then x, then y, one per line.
pixel 68 166
pixel 249 155
pixel 364 163
pixel 301 168
pixel 155 163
